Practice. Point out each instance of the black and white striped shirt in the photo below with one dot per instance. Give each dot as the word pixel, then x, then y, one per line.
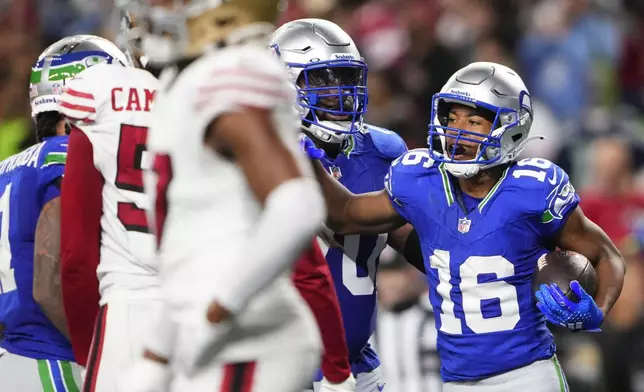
pixel 405 340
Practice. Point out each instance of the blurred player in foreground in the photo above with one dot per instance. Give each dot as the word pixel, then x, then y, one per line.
pixel 105 232
pixel 483 220
pixel 39 355
pixel 230 192
pixel 311 276
pixel 331 79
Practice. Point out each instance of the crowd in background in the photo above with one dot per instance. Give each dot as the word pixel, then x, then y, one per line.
pixel 583 61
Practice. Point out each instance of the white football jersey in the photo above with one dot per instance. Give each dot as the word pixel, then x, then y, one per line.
pixel 112 106
pixel 205 209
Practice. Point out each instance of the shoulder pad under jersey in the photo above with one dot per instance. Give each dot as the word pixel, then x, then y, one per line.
pixel 247 76
pixel 52 160
pixel 546 186
pixel 79 101
pixel 54 151
pixel 388 143
pixel 403 172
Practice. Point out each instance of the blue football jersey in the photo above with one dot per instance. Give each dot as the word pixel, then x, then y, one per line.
pixel 361 167
pixel 480 263
pixel 27 183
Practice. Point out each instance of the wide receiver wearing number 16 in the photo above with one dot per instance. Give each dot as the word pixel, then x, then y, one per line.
pixel 483 221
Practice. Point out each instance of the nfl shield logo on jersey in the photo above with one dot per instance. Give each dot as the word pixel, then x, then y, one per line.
pixel 464 225
pixel 335 172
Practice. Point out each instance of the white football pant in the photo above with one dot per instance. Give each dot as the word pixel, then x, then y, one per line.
pixel 18 373
pixel 540 376
pixel 121 328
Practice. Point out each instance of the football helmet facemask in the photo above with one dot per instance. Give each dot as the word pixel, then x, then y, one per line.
pixel 496 93
pixel 330 76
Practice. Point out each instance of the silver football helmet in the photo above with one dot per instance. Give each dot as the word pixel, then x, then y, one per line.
pixel 329 73
pixel 168 31
pixel 61 62
pixel 129 38
pixel 495 90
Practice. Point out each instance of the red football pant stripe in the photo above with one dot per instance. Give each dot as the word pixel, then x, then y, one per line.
pixel 238 377
pixel 96 351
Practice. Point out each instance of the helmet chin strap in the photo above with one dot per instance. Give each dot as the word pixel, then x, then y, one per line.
pixel 463 170
pixel 325 135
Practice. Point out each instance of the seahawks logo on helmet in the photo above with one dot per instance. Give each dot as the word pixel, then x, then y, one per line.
pixel 96 60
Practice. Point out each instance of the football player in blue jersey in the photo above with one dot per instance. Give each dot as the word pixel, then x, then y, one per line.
pixel 331 78
pixel 484 219
pixel 37 354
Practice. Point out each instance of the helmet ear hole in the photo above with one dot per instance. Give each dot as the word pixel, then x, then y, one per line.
pixel 512 138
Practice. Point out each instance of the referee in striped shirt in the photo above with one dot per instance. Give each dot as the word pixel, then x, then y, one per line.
pixel 405 336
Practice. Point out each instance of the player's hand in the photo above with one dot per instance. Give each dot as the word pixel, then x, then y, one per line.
pixel 584 315
pixel 310 148
pixel 207 339
pixel 348 385
pixel 217 313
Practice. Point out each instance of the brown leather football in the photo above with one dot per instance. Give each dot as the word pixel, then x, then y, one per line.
pixel 562 267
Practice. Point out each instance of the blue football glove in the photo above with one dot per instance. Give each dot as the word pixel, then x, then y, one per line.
pixel 310 148
pixel 576 316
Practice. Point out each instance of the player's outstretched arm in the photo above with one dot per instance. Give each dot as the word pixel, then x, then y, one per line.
pixel 293 205
pixel 312 279
pixel 582 235
pixel 81 211
pixel 46 286
pixel 348 213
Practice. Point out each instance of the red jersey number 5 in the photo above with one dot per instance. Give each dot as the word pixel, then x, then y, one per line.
pixel 129 175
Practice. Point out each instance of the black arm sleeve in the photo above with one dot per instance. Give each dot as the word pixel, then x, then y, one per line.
pixel 413 253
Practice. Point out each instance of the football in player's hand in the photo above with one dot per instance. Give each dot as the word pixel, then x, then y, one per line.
pixel 562 267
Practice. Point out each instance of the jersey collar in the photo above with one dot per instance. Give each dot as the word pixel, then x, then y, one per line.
pixel 449 190
pixel 349 145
